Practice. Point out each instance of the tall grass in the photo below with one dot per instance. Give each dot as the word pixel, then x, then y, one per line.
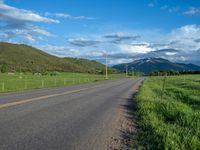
pixel 173 122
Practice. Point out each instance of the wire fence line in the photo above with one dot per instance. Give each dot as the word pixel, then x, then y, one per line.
pixel 25 84
pixel 20 82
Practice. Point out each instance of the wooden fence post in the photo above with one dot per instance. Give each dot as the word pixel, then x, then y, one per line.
pixel 25 84
pixel 3 86
pixel 163 88
pixel 55 82
pixel 42 83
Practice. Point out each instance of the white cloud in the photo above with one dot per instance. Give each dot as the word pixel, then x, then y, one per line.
pixel 68 16
pixel 41 32
pixel 170 53
pixel 185 32
pixel 17 24
pixel 24 35
pixel 29 37
pixel 192 11
pixel 185 37
pixel 60 51
pixel 112 62
pixel 127 48
pixel 12 14
pixel 27 33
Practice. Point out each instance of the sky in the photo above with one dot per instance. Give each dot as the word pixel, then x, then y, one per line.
pixel 126 30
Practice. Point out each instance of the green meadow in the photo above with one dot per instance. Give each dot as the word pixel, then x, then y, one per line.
pixel 169 115
pixel 27 81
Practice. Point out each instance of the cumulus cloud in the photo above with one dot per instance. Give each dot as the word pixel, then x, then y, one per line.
pixel 68 16
pixel 192 11
pixel 17 24
pixel 12 14
pixel 185 37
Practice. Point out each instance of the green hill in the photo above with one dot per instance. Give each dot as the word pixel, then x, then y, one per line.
pixel 19 57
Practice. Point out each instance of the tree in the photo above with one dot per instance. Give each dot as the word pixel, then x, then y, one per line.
pixel 4 68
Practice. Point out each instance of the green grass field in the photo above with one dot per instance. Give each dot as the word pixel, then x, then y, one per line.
pixel 173 122
pixel 27 81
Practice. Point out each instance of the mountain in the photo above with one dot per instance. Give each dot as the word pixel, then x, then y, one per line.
pixel 20 57
pixel 149 65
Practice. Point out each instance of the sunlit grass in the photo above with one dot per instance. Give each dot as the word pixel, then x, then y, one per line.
pixel 27 81
pixel 174 122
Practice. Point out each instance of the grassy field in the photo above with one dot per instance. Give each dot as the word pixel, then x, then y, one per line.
pixel 27 81
pixel 173 122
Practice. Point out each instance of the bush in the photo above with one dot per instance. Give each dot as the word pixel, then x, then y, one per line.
pixel 54 73
pixel 4 68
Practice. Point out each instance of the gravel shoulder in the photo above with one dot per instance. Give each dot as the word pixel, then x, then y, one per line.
pixel 125 129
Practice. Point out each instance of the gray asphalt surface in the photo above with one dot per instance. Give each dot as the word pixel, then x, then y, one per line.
pixel 81 121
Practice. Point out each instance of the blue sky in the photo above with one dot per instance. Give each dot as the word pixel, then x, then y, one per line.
pixel 125 29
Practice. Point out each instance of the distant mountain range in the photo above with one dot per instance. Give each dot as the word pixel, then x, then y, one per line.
pixel 149 65
pixel 19 57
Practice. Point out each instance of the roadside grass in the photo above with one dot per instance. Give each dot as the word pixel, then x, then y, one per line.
pixel 27 81
pixel 173 122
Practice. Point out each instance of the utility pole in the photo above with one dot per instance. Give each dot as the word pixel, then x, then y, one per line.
pixel 126 70
pixel 132 71
pixel 127 67
pixel 106 55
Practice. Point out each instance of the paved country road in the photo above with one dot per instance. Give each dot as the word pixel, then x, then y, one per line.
pixel 78 117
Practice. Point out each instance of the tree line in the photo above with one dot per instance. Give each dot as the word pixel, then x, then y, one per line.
pixel 173 73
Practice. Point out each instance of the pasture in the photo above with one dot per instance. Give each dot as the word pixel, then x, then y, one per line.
pixel 27 81
pixel 169 113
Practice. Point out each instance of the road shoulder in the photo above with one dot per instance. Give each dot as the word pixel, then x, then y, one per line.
pixel 125 133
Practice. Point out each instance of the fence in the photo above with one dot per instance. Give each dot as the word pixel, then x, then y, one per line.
pixel 25 84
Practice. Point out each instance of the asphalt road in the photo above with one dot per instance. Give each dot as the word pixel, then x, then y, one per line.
pixel 76 117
